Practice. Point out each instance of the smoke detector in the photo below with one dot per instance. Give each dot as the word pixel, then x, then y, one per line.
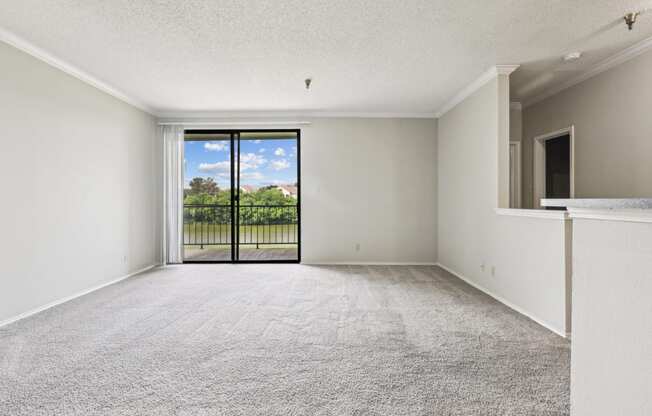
pixel 572 56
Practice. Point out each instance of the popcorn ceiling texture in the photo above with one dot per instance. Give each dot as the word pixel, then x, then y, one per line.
pixel 283 340
pixel 363 55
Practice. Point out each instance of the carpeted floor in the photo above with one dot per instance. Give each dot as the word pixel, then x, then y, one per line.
pixel 283 340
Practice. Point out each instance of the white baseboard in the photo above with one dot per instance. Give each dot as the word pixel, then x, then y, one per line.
pixel 505 302
pixel 69 298
pixel 366 263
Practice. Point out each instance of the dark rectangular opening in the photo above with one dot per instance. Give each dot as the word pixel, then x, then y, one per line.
pixel 558 167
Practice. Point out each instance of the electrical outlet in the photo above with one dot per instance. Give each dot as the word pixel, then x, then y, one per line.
pixel 482 267
pixel 124 259
pixel 357 246
pixel 493 271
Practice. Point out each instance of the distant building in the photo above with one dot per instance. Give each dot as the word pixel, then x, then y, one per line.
pixel 246 189
pixel 288 190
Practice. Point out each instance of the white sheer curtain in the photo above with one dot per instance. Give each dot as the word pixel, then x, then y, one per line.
pixel 173 165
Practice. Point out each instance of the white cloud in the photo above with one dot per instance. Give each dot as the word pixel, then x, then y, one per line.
pixel 251 161
pixel 248 161
pixel 280 164
pixel 215 146
pixel 255 175
pixel 275 182
pixel 215 167
pixel 294 151
pixel 261 150
pixel 252 175
pixel 258 141
pixel 279 151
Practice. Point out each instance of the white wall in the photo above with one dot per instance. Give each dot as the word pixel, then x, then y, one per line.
pixel 371 182
pixel 528 255
pixel 611 115
pixel 611 361
pixel 80 194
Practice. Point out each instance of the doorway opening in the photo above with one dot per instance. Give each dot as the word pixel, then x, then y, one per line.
pixel 242 196
pixel 558 167
pixel 554 167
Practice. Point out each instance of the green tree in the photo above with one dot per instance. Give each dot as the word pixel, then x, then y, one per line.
pixel 199 208
pixel 203 186
pixel 266 205
pixel 269 207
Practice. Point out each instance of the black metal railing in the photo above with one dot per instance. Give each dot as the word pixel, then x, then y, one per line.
pixel 210 225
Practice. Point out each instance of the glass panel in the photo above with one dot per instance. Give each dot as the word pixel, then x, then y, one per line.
pixel 268 208
pixel 207 197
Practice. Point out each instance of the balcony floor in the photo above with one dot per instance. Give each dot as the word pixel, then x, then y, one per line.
pixel 247 253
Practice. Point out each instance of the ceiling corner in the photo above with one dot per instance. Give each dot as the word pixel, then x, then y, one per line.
pixel 465 92
pixel 27 47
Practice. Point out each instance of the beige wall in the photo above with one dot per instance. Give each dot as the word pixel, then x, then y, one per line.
pixel 613 132
pixel 520 260
pixel 371 182
pixel 611 361
pixel 78 173
pixel 515 125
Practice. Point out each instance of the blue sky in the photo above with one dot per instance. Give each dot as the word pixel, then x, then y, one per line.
pixel 262 162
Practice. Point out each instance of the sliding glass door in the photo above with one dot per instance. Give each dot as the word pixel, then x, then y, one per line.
pixel 242 196
pixel 268 196
pixel 208 208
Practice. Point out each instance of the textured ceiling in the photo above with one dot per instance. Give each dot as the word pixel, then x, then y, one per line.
pixel 364 55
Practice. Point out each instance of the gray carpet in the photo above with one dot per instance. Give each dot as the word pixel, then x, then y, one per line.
pixel 283 340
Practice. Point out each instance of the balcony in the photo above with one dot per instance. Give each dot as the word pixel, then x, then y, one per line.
pixel 262 233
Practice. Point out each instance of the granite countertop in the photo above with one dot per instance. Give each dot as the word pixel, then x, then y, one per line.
pixel 600 203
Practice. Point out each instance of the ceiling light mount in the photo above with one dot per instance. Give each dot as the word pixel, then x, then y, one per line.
pixel 630 19
pixel 308 82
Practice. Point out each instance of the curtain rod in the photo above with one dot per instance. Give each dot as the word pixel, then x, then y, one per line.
pixel 234 123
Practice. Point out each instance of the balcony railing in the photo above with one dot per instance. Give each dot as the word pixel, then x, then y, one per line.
pixel 210 225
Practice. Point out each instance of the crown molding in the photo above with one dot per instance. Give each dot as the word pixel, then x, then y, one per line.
pixel 467 91
pixel 602 66
pixel 186 115
pixel 505 69
pixel 38 53
pixel 25 46
pixel 238 123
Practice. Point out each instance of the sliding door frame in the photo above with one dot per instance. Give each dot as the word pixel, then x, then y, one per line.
pixel 234 135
